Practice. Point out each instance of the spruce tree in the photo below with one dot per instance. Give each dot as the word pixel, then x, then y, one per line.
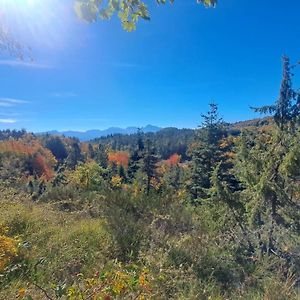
pixel 286 109
pixel 206 152
pixel 137 154
pixel 149 164
pixel 267 167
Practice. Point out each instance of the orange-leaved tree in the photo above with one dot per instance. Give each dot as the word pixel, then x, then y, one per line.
pixel 120 158
pixel 40 161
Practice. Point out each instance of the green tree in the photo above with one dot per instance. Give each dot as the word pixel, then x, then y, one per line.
pixel 91 151
pixel 57 147
pixel 222 195
pixel 60 177
pixel 128 11
pixel 135 160
pixel 149 164
pixel 174 177
pixel 206 153
pixel 267 168
pixel 88 176
pixel 287 108
pixel 75 156
pixel 122 173
pixel 101 156
pixel 267 165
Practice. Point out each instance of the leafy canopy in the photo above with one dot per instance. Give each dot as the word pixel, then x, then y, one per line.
pixel 129 11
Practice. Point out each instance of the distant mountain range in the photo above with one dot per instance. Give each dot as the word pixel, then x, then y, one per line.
pixel 95 133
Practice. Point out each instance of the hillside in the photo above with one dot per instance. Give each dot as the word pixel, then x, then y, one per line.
pixel 171 214
pixel 94 205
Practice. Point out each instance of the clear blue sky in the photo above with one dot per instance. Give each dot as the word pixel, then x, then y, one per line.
pixel 165 73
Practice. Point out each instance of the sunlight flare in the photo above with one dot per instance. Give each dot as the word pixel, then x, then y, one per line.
pixel 44 23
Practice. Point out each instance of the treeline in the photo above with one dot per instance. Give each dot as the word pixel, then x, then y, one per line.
pixel 167 141
pixel 11 134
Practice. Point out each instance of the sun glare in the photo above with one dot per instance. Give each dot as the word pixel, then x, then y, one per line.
pixel 20 2
pixel 43 22
pixel 9 7
pixel 30 2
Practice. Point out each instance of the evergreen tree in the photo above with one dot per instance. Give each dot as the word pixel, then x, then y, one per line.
pixel 174 177
pixel 206 152
pixel 149 164
pixel 60 178
pixel 122 173
pixel 222 194
pixel 91 152
pixel 57 147
pixel 42 187
pixel 287 108
pixel 133 164
pixel 270 188
pixel 75 156
pixel 267 166
pixel 113 169
pixel 140 140
pixel 135 160
pixel 101 156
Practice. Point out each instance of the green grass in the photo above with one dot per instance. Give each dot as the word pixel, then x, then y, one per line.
pixel 185 250
pixel 66 243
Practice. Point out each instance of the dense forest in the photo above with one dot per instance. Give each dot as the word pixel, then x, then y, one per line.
pixel 211 213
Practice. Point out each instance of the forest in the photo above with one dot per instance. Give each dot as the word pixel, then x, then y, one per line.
pixel 211 213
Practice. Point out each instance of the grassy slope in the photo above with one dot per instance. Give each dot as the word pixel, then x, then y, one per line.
pixel 69 243
pixel 186 252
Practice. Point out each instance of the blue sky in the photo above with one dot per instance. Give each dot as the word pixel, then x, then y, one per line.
pixel 165 73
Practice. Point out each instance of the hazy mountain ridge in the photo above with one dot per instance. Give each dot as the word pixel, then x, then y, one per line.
pixel 97 133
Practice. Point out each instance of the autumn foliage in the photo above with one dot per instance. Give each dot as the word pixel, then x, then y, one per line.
pixel 120 158
pixel 8 248
pixel 41 159
pixel 173 160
